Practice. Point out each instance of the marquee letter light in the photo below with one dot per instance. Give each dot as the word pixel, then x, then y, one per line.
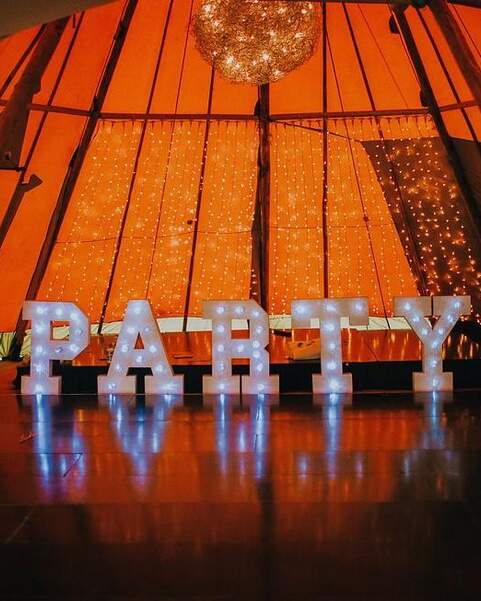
pixel 139 322
pixel 329 311
pixel 225 348
pixel 449 308
pixel 45 349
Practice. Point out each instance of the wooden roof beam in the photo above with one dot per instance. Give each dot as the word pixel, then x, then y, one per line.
pixel 21 14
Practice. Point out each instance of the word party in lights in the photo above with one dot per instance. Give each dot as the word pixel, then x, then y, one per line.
pixel 139 323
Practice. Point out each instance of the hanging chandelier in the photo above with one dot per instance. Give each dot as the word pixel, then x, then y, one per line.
pixel 256 41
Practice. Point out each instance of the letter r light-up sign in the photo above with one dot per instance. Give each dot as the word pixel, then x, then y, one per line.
pixel 225 348
pixel 140 323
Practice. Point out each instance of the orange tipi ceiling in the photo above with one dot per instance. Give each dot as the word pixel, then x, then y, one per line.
pixel 151 185
pixel 18 15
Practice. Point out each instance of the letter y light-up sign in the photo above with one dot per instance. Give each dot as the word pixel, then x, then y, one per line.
pixel 138 322
pixel 45 350
pixel 329 311
pixel 225 348
pixel 414 310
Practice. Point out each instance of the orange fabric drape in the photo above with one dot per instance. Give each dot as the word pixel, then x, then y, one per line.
pixel 365 253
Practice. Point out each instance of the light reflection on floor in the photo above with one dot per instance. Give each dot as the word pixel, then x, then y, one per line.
pixel 231 498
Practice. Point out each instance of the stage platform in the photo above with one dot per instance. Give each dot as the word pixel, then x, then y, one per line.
pixel 378 359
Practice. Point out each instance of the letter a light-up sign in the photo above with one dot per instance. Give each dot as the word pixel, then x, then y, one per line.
pixel 140 322
pixel 225 348
pixel 45 350
pixel 329 311
pixel 414 310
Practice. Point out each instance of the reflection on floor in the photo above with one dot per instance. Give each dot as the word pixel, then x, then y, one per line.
pixel 223 499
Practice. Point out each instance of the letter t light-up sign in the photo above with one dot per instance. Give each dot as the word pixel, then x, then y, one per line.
pixel 45 349
pixel 329 311
pixel 139 322
pixel 414 310
pixel 225 348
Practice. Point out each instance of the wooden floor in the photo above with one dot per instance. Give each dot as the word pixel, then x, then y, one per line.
pixel 192 500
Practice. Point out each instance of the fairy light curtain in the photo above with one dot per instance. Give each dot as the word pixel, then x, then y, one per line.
pixel 445 239
pixel 79 264
pixel 155 249
pixel 296 217
pixel 365 256
pixel 223 251
pixel 366 252
pixel 154 252
pixel 51 139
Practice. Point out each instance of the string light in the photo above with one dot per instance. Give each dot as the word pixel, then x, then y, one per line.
pixel 408 166
pixel 356 207
pixel 45 349
pixel 414 310
pixel 223 252
pixel 225 348
pixel 78 268
pixel 256 41
pixel 414 169
pixel 329 312
pixel 139 322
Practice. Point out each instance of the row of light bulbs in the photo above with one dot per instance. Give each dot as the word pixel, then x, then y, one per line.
pixel 363 241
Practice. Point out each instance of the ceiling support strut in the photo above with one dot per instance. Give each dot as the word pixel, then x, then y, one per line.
pixel 73 173
pixel 14 117
pixel 430 99
pixel 460 48
pixel 261 222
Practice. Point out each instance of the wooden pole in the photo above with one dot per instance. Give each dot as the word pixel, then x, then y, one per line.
pixel 22 186
pixel 73 173
pixel 260 231
pixel 460 48
pixel 33 182
pixel 432 104
pixel 256 239
pixel 200 194
pixel 412 254
pixel 325 158
pixel 20 63
pixel 263 196
pixel 133 179
pixel 14 117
